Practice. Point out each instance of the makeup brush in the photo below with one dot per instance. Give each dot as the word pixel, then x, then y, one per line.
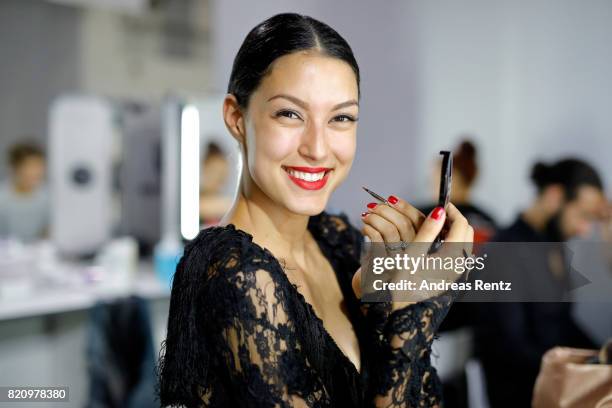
pixel 376 196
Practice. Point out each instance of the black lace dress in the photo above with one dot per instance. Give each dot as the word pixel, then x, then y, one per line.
pixel 241 335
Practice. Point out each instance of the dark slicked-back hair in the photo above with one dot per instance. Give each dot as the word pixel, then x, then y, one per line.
pixel 277 36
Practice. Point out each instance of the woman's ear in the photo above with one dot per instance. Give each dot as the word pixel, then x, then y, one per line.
pixel 234 118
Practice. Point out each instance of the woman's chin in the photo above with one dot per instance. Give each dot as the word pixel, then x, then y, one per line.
pixel 308 208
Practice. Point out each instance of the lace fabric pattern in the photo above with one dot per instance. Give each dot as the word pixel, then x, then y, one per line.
pixel 241 335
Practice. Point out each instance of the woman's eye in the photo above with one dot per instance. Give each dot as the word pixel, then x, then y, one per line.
pixel 288 114
pixel 344 118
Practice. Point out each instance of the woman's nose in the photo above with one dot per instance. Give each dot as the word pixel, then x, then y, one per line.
pixel 314 143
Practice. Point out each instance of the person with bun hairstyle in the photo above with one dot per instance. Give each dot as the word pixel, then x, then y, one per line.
pixel 570 199
pixel 511 338
pixel 263 310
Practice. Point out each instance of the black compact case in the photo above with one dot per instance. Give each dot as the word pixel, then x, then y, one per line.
pixel 446 177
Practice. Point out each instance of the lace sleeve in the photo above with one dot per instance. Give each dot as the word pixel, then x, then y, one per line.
pixel 402 374
pixel 258 345
pixel 239 325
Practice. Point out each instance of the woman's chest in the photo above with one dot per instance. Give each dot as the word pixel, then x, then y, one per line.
pixel 320 288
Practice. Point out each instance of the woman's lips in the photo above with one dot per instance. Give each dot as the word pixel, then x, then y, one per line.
pixel 308 178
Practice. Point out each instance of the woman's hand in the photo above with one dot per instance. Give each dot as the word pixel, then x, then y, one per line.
pixel 400 221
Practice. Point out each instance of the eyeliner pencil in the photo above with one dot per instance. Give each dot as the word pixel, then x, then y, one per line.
pixel 376 196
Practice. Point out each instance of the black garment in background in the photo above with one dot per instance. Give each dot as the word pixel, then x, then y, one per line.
pixel 511 337
pixel 478 218
pixel 120 357
pixel 241 335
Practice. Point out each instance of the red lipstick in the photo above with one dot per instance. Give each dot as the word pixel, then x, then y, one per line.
pixel 309 169
pixel 305 184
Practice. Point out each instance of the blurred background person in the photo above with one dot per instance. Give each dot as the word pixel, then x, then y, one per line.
pixel 511 337
pixel 465 175
pixel 214 175
pixel 24 198
pixel 570 199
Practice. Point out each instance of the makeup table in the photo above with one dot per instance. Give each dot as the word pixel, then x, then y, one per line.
pixel 43 328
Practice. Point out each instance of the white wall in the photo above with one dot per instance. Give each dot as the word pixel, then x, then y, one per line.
pixel 529 79
pixel 147 55
pixel 38 59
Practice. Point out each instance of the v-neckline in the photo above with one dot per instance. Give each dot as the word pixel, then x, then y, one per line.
pixel 301 297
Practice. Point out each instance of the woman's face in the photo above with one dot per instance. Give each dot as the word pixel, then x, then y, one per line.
pixel 301 130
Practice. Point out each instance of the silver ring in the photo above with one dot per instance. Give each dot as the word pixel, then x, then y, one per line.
pixel 399 246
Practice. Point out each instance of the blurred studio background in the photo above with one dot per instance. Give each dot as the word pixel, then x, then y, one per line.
pixel 113 151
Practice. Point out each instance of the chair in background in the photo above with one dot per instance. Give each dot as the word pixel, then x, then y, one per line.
pixel 120 356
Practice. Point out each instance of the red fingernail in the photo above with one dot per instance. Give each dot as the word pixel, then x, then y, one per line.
pixel 393 199
pixel 371 206
pixel 363 214
pixel 437 213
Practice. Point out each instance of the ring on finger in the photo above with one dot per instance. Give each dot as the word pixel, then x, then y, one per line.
pixel 399 246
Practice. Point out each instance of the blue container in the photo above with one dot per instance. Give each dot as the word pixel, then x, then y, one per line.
pixel 165 263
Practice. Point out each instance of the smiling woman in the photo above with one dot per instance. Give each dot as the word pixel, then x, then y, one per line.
pixel 263 311
pixel 301 117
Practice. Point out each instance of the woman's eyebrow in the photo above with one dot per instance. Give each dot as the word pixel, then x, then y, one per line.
pixel 304 105
pixel 293 99
pixel 346 104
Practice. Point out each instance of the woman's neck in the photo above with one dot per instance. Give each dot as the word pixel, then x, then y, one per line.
pixel 272 226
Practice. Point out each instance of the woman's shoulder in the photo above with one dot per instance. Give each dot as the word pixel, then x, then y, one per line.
pixel 337 232
pixel 220 239
pixel 224 251
pixel 218 282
